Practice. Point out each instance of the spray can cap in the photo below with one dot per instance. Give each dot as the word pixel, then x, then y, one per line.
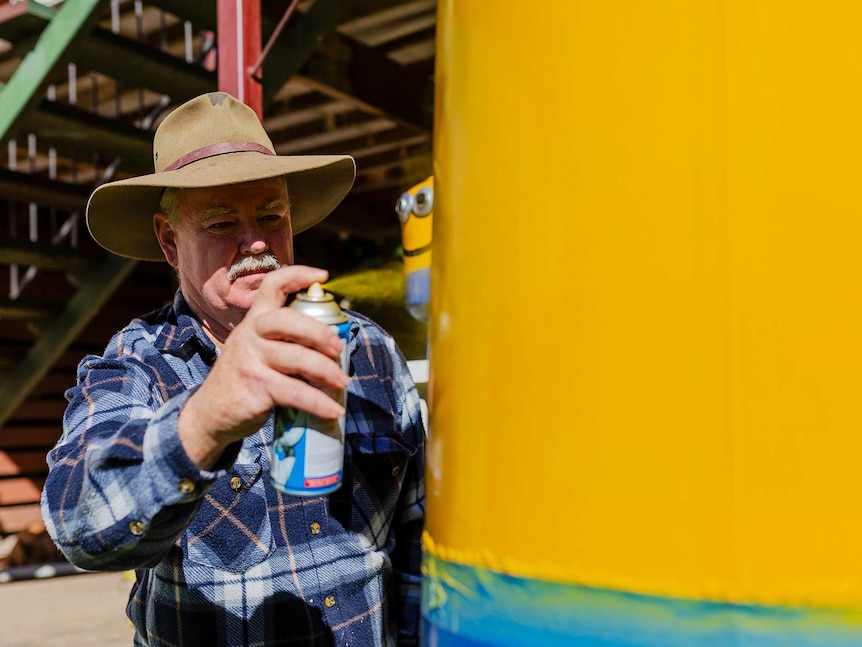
pixel 320 304
pixel 315 292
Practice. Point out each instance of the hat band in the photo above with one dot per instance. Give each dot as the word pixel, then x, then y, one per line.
pixel 217 149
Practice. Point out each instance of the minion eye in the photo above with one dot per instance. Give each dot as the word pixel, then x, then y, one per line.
pixel 424 202
pixel 404 206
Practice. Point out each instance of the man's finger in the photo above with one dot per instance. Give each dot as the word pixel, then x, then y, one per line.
pixel 278 284
pixel 299 361
pixel 295 393
pixel 286 324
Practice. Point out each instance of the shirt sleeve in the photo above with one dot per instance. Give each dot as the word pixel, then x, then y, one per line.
pixel 120 487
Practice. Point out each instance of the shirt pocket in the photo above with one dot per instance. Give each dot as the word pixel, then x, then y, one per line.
pixel 374 468
pixel 232 530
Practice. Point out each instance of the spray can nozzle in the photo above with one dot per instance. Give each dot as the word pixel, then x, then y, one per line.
pixel 315 292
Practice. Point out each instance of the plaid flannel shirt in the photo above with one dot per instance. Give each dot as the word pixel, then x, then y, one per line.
pixel 222 557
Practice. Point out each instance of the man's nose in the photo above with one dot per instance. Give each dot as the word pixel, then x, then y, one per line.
pixel 253 242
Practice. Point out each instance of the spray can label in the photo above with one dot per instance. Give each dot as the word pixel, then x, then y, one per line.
pixel 307 456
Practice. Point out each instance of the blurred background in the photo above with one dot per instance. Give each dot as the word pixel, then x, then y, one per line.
pixel 85 83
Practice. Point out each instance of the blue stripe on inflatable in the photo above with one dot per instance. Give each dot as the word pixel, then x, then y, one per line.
pixel 469 607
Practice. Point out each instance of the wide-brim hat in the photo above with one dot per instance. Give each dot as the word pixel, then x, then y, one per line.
pixel 212 140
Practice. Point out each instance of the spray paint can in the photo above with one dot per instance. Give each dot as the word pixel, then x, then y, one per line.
pixel 307 456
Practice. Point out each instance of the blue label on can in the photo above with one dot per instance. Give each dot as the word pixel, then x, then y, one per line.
pixel 307 451
pixel 343 330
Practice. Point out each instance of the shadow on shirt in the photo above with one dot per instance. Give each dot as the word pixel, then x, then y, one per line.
pixel 195 621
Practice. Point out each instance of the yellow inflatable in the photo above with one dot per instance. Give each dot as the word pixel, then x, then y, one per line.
pixel 646 325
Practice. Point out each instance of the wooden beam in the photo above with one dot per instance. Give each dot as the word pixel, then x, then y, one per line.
pixel 19 490
pixel 386 26
pixel 307 115
pixel 380 16
pixel 420 51
pixel 201 14
pixel 17 518
pixel 24 438
pixel 336 136
pixel 385 147
pixel 27 310
pixel 98 285
pixel 68 127
pixel 417 167
pixel 44 256
pixel 14 463
pixel 372 81
pixel 296 43
pixel 21 187
pixel 137 64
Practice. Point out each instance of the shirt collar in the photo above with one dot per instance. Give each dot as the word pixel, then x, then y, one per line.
pixel 183 329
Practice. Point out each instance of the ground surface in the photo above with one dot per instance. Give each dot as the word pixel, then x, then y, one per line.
pixel 73 611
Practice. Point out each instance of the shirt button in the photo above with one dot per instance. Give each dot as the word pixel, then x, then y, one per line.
pixel 236 484
pixel 136 528
pixel 329 601
pixel 395 470
pixel 186 486
pixel 315 528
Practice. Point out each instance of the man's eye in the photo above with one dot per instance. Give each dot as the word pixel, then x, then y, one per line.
pixel 219 226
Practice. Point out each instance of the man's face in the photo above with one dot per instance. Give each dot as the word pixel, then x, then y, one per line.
pixel 221 228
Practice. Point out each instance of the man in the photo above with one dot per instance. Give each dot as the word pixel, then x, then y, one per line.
pixel 163 465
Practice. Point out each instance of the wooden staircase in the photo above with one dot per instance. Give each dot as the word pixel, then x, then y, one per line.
pixel 85 83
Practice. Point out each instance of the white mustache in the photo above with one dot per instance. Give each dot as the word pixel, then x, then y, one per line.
pixel 249 264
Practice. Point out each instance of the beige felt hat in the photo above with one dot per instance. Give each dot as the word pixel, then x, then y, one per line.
pixel 212 140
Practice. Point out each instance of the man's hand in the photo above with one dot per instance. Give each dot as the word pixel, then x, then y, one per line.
pixel 272 358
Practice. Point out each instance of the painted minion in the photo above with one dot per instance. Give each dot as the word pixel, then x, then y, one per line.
pixel 415 211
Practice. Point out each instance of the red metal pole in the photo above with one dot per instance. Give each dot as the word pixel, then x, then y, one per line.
pixel 238 50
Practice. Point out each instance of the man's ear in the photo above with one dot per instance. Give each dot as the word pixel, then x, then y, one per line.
pixel 166 236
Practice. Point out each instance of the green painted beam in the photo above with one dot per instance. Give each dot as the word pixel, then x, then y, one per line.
pixel 97 286
pixel 71 129
pixel 24 91
pixel 72 22
pixel 129 61
pixel 21 23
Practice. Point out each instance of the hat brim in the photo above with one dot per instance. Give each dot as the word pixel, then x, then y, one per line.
pixel 120 214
